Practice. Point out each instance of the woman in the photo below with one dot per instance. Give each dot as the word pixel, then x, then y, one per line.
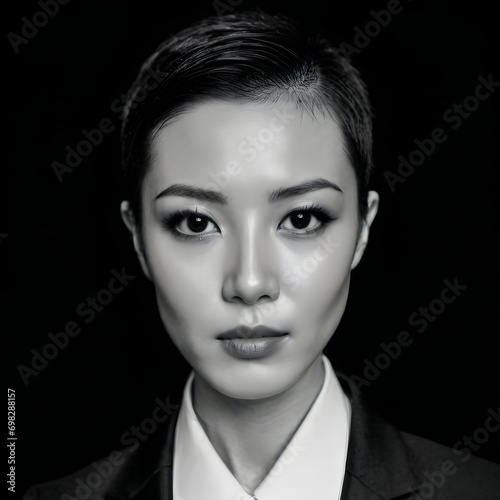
pixel 247 160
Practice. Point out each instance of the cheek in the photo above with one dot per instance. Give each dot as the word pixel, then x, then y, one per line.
pixel 324 293
pixel 187 281
pixel 319 282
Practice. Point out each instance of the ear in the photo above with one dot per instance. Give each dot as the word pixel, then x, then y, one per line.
pixel 372 201
pixel 129 220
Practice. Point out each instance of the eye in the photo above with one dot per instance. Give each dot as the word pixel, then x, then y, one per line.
pixel 189 224
pixel 299 220
pixel 306 220
pixel 196 224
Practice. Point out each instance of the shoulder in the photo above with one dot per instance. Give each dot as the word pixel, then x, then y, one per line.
pixel 92 482
pixel 396 464
pixel 444 472
pixel 84 483
pixel 121 474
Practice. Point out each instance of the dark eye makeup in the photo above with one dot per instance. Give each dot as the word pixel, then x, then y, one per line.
pixel 300 222
pixel 189 225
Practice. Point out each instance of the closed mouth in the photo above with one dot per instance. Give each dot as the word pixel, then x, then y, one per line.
pixel 248 332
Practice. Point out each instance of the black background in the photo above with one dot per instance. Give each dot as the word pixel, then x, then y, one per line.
pixel 64 238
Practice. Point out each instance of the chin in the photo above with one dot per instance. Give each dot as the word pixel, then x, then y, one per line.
pixel 252 391
pixel 254 382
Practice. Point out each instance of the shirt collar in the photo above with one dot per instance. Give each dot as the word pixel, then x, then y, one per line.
pixel 378 463
pixel 311 466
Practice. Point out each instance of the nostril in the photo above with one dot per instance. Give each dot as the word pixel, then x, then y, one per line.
pixel 247 283
pixel 249 300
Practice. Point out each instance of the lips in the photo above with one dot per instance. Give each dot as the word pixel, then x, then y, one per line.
pixel 248 332
pixel 245 342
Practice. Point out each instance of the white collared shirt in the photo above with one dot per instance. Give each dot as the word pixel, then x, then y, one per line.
pixel 311 466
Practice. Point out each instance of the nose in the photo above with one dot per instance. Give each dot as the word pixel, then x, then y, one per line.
pixel 251 274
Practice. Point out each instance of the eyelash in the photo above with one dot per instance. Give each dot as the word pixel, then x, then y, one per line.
pixel 317 211
pixel 172 221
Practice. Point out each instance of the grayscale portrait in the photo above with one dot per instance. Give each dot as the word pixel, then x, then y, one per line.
pixel 244 190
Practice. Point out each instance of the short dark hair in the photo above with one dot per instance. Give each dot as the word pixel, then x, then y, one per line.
pixel 249 56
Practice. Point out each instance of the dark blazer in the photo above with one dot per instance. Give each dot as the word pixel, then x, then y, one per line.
pixel 382 463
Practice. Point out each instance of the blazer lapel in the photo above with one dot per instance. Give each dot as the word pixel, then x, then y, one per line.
pixel 147 474
pixel 377 467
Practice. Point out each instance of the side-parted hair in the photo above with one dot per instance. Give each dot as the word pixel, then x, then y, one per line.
pixel 250 57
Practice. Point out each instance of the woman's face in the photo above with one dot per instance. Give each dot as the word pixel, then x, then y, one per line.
pixel 250 220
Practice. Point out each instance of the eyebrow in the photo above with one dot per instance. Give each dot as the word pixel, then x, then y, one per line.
pixel 194 192
pixel 305 187
pixel 277 194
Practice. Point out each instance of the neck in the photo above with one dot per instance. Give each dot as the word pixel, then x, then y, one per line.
pixel 250 435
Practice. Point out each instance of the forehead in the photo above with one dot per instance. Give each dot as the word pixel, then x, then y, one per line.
pixel 254 144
